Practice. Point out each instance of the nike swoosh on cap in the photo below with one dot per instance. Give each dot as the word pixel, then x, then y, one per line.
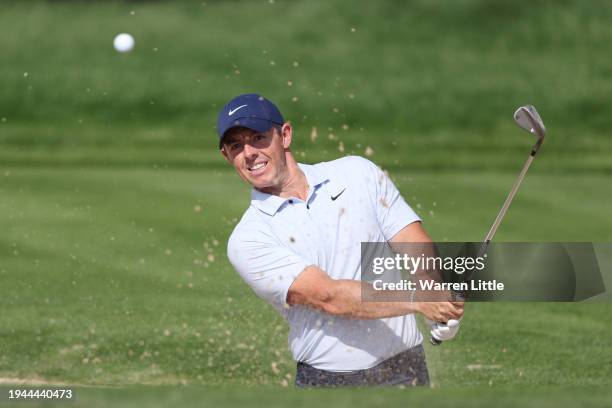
pixel 232 111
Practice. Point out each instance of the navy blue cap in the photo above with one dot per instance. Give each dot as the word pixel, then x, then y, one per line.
pixel 250 111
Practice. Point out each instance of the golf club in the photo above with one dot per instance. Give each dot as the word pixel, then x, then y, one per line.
pixel 527 118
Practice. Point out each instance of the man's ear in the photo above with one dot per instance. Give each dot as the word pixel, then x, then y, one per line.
pixel 224 153
pixel 286 134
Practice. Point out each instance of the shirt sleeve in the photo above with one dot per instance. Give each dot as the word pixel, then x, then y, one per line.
pixel 392 211
pixel 267 266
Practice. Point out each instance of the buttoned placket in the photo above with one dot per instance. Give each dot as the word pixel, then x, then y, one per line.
pixel 312 193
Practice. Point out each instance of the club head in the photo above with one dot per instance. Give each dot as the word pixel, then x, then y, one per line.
pixel 527 117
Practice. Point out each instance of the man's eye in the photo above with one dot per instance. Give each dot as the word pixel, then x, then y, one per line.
pixel 235 146
pixel 260 137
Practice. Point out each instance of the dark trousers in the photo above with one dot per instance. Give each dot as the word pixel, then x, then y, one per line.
pixel 407 368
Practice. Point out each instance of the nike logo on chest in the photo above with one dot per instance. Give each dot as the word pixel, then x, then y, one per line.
pixel 338 195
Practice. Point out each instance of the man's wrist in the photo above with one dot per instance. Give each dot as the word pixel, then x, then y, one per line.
pixel 415 306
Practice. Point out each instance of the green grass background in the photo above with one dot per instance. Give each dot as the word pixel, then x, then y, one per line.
pixel 115 204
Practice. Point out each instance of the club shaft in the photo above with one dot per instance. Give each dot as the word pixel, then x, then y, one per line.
pixel 504 209
pixel 502 212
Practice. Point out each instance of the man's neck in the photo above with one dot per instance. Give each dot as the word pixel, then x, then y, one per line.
pixel 294 184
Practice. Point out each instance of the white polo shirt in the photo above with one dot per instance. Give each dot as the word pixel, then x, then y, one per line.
pixel 350 200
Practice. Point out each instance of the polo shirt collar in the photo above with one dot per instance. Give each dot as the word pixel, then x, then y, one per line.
pixel 270 204
pixel 314 176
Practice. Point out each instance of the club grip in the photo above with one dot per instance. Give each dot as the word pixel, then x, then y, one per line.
pixel 434 341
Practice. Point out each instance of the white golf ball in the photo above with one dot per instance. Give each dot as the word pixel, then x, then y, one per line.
pixel 124 42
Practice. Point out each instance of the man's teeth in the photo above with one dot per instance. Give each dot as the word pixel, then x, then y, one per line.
pixel 258 166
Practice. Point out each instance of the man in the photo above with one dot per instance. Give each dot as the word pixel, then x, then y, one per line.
pixel 298 247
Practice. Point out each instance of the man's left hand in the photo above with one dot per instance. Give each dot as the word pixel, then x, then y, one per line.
pixel 444 331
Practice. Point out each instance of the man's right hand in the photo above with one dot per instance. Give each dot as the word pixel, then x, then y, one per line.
pixel 440 311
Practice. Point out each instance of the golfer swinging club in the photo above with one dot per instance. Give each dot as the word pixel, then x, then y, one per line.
pixel 298 247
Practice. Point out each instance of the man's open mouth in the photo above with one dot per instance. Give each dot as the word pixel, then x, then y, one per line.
pixel 257 167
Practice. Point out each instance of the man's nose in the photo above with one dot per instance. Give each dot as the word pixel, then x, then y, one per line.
pixel 249 151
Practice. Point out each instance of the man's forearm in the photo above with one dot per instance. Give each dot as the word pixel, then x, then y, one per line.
pixel 314 288
pixel 345 299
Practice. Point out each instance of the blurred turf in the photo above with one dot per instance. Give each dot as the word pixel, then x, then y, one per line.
pixel 190 396
pixel 116 204
pixel 421 82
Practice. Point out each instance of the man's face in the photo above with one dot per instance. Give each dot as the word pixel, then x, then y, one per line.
pixel 259 158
